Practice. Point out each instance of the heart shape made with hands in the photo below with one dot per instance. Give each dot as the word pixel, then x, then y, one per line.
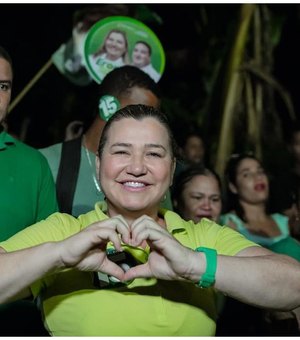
pixel 163 256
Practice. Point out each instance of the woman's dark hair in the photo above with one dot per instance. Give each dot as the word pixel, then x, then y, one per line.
pixel 232 199
pixel 138 112
pixel 186 176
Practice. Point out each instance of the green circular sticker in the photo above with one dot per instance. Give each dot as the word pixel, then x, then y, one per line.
pixel 117 41
pixel 108 106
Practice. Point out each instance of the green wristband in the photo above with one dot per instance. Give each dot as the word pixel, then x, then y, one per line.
pixel 208 278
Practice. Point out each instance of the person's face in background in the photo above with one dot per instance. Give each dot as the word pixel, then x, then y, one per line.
pixel 136 166
pixel 5 87
pixel 294 147
pixel 141 55
pixel 194 149
pixel 138 95
pixel 201 197
pixel 115 46
pixel 251 184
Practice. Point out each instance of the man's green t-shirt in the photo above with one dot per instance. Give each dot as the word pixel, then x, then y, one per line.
pixel 27 190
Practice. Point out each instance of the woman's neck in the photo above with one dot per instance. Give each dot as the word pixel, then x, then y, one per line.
pixel 112 57
pixel 258 221
pixel 254 211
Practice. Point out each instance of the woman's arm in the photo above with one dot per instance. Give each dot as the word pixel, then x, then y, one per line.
pixel 256 275
pixel 260 277
pixel 85 251
pixel 21 268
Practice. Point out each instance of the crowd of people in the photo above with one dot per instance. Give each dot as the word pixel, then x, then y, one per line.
pixel 118 232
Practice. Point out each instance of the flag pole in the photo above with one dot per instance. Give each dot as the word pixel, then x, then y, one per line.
pixel 30 84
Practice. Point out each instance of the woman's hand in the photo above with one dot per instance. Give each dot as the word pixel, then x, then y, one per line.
pixel 86 250
pixel 168 259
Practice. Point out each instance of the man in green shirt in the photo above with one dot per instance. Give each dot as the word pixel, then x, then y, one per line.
pixel 27 195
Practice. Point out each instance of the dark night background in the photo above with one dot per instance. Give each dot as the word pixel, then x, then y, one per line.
pixel 33 32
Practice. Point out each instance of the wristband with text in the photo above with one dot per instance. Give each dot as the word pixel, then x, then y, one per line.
pixel 208 278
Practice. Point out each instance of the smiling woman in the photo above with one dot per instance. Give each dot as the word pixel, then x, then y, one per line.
pixel 118 264
pixel 138 159
pixel 113 53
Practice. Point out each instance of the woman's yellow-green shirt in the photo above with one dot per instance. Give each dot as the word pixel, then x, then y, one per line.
pixel 72 306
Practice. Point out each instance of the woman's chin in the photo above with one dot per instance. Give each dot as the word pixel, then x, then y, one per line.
pixel 134 206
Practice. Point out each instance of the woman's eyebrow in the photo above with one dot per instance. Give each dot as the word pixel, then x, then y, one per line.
pixel 121 144
pixel 153 145
pixel 150 145
pixel 243 170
